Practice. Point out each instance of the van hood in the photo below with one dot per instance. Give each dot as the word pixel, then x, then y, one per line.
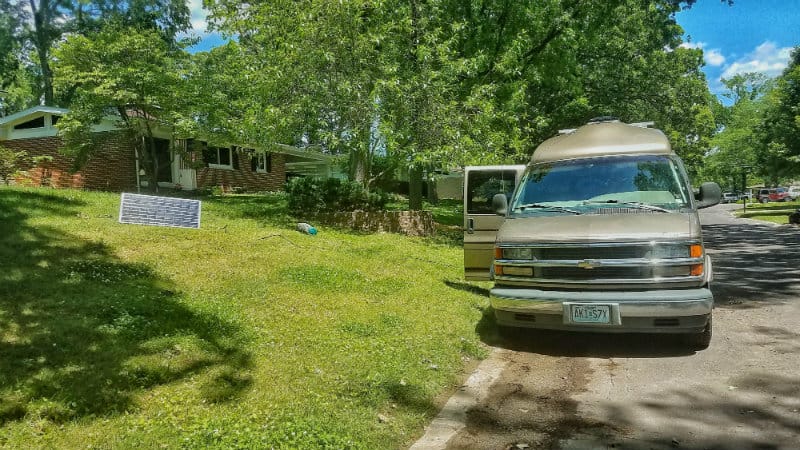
pixel 600 228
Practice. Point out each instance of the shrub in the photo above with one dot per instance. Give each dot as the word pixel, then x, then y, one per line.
pixel 314 195
pixel 9 163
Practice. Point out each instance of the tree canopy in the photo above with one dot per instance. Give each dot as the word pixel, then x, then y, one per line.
pixel 428 84
pixel 465 82
pixel 128 75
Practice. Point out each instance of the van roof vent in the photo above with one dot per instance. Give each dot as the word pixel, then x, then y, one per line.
pixel 603 119
pixel 643 124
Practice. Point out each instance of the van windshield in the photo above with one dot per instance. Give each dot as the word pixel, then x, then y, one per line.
pixel 584 185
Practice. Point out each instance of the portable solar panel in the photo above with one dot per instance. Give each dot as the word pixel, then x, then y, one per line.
pixel 159 211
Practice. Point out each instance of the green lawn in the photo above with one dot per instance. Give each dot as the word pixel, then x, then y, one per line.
pixel 770 212
pixel 243 334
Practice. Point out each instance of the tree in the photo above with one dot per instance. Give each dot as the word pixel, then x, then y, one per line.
pixel 51 20
pixel 737 147
pixel 10 23
pixel 129 74
pixel 9 163
pixel 453 82
pixel 781 129
pixel 311 68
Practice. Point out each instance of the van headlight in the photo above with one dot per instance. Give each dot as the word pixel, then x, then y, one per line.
pixel 517 253
pixel 671 251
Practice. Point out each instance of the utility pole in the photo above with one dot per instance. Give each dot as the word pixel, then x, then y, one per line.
pixel 744 184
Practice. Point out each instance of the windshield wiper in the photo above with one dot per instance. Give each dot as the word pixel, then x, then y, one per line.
pixel 637 205
pixel 549 208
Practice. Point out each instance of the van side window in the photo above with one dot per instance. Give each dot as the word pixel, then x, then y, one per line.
pixel 484 185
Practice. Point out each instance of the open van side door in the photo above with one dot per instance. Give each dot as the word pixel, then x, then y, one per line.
pixel 481 183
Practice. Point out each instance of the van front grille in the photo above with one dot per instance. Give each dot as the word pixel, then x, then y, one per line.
pixel 610 263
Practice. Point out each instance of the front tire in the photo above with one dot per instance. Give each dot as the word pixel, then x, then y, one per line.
pixel 701 341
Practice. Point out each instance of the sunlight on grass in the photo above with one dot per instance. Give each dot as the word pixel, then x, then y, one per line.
pixel 242 334
pixel 770 212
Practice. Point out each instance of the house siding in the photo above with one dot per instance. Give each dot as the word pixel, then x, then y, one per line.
pixel 244 177
pixel 112 169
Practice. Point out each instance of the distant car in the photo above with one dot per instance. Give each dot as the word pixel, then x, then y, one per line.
pixel 794 192
pixel 780 194
pixel 763 195
pixel 729 197
pixel 747 196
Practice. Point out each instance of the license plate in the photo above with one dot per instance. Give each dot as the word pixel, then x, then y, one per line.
pixel 590 313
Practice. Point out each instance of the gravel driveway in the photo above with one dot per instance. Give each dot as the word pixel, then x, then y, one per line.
pixel 586 391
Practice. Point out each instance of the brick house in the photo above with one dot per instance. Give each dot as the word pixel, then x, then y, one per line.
pixel 115 167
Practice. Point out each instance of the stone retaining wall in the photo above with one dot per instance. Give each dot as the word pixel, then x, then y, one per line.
pixel 410 223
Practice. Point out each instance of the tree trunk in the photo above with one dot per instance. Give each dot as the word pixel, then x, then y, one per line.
pixel 433 196
pixel 415 188
pixel 42 42
pixel 358 166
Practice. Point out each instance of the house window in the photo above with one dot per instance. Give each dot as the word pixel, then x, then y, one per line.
pixel 219 157
pixel 35 123
pixel 264 162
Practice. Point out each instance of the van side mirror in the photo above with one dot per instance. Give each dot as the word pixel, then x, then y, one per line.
pixel 710 194
pixel 500 204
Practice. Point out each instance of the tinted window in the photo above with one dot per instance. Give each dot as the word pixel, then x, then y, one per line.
pixel 484 185
pixel 654 180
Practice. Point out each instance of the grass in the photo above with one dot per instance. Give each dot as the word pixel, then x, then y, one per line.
pixel 770 212
pixel 243 334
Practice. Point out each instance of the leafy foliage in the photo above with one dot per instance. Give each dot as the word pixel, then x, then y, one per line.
pixel 448 82
pixel 781 128
pixel 9 163
pixel 313 195
pixel 129 75
pixel 41 24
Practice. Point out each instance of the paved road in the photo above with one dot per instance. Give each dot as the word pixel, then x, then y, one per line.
pixel 557 390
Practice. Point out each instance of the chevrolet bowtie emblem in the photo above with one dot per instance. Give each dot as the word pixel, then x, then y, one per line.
pixel 588 264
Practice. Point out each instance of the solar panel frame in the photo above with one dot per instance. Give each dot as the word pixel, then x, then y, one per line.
pixel 138 209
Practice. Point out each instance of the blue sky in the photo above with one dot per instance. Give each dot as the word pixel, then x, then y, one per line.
pixel 750 36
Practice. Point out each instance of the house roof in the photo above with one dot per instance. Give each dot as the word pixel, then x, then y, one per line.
pixel 295 151
pixel 281 148
pixel 36 110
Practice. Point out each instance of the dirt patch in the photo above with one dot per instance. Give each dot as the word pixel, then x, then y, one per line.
pixel 531 404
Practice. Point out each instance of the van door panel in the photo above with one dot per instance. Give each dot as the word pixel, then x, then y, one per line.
pixel 481 183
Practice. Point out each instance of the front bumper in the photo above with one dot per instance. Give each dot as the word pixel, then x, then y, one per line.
pixel 658 311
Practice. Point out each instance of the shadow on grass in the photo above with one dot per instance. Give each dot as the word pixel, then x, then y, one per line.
pixel 82 332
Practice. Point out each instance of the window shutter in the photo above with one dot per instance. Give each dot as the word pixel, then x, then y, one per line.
pixel 254 162
pixel 268 162
pixel 235 156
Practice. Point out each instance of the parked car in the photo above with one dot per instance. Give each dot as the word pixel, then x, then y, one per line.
pixel 763 195
pixel 794 192
pixel 780 194
pixel 746 196
pixel 729 197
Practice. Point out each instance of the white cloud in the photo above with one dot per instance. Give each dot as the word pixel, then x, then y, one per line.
pixel 198 16
pixel 767 58
pixel 692 45
pixel 713 57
